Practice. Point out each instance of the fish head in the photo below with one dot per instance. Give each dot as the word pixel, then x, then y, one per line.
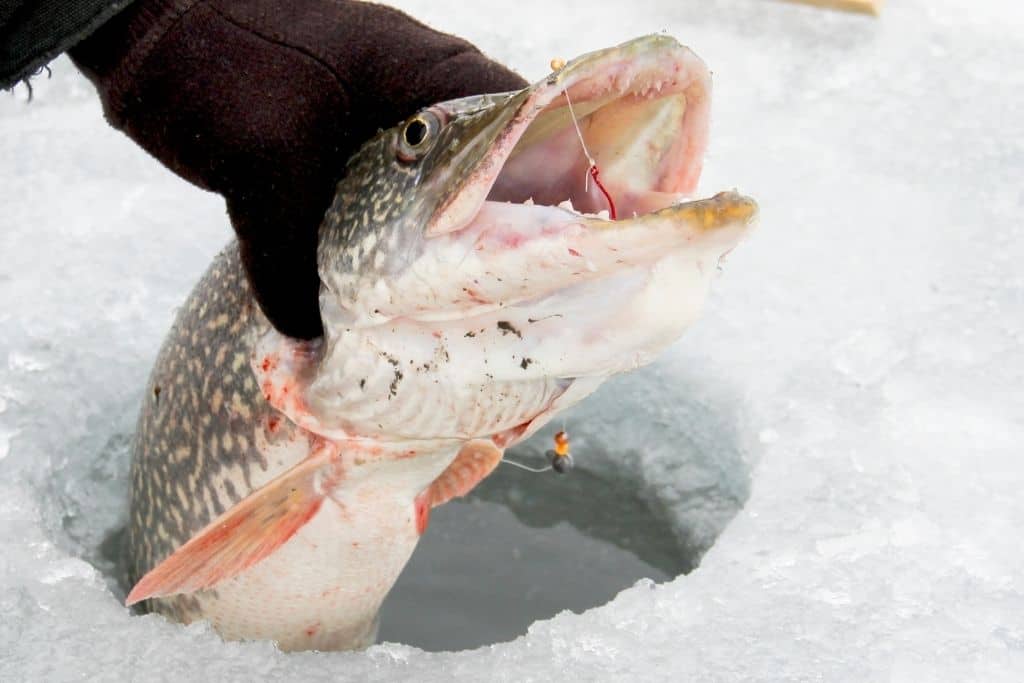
pixel 542 235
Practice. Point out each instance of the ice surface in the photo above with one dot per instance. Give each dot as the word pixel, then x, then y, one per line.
pixel 860 365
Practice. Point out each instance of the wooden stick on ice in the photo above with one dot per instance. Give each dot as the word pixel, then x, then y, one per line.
pixel 865 6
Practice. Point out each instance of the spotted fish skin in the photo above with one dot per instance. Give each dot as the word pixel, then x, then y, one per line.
pixel 197 420
pixel 206 435
pixel 207 438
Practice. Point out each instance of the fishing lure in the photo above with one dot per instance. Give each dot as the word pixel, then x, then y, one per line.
pixel 559 457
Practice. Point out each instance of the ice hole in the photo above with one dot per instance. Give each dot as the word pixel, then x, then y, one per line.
pixel 521 547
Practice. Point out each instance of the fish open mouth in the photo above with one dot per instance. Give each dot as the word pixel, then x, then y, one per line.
pixel 614 135
pixel 579 177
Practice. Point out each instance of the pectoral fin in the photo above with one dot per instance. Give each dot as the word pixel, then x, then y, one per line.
pixel 247 533
pixel 475 461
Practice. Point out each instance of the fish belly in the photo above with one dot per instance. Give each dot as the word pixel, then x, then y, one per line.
pixel 322 590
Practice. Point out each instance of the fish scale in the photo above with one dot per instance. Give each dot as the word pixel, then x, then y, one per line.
pixel 173 411
pixel 166 515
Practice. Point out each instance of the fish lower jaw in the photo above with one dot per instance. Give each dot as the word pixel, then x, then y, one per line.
pixel 477 376
pixel 515 254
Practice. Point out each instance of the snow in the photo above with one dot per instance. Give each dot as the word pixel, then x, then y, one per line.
pixel 857 378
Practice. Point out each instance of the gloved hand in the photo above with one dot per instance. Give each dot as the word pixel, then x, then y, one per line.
pixel 264 101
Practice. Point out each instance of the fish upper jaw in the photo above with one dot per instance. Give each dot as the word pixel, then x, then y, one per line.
pixel 642 108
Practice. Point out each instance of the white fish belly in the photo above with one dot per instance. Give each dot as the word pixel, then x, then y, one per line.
pixel 322 589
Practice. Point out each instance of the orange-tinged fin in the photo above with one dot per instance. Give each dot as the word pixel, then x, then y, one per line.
pixel 475 461
pixel 247 533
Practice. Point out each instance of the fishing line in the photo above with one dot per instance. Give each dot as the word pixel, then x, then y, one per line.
pixel 592 170
pixel 470 248
pixel 521 466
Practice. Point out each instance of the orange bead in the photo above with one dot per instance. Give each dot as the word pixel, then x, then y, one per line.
pixel 562 444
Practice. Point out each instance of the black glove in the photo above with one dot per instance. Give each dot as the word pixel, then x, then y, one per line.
pixel 264 101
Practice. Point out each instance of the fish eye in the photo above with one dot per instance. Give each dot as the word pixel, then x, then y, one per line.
pixel 417 136
pixel 415 132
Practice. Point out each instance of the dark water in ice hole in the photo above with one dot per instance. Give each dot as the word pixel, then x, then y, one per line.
pixel 519 548
pixel 524 547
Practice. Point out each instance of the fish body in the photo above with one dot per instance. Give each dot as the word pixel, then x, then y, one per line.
pixel 207 439
pixel 473 286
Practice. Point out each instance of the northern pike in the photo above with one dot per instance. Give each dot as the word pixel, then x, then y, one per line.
pixel 484 265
